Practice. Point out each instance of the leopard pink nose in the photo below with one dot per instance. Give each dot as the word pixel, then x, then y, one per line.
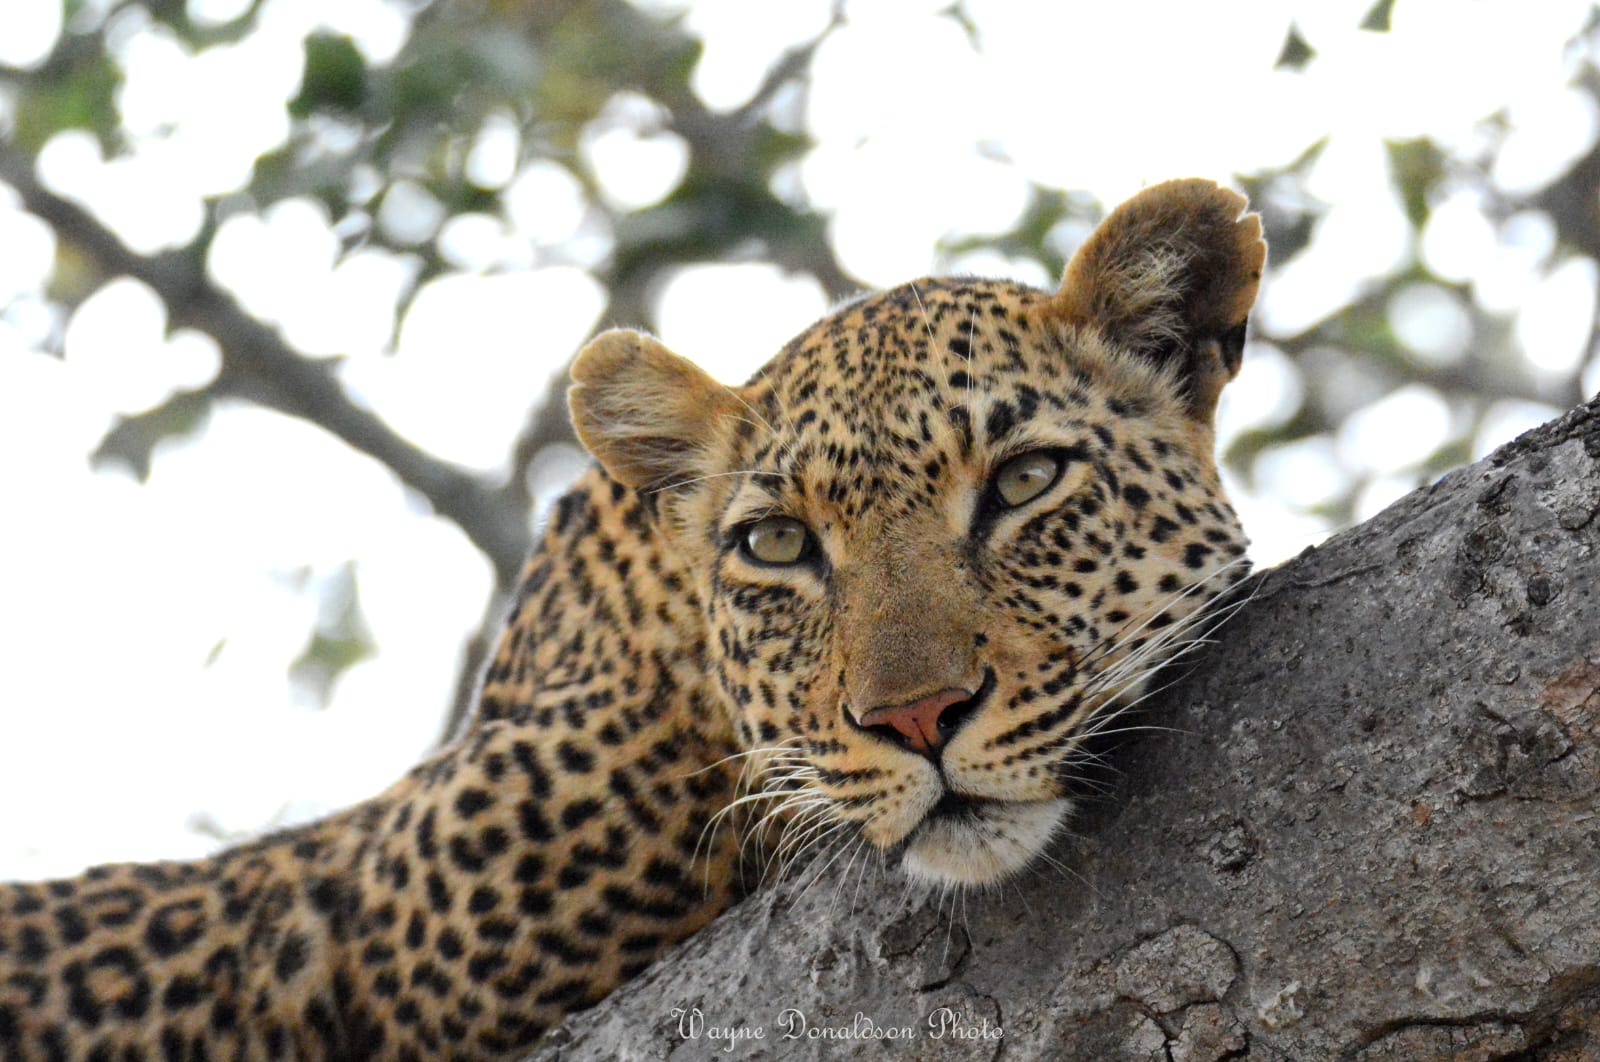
pixel 922 725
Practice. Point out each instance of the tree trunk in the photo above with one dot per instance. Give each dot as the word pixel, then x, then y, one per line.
pixel 1370 833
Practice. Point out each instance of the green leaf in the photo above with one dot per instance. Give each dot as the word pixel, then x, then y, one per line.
pixel 1378 16
pixel 1296 51
pixel 334 79
pixel 80 96
pixel 133 439
pixel 1415 166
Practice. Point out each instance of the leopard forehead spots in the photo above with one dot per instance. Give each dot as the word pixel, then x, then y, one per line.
pixel 882 403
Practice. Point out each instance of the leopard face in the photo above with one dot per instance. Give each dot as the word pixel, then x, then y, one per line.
pixel 949 531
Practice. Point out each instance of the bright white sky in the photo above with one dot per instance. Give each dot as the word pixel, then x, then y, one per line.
pixel 147 628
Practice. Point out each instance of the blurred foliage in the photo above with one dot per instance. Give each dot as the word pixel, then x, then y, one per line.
pixel 339 640
pixel 1296 52
pixel 1377 18
pixel 554 69
pixel 133 440
pixel 335 77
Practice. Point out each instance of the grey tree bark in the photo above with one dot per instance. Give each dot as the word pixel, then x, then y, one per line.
pixel 1370 833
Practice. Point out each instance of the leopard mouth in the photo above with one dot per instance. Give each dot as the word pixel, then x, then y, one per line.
pixel 972 840
pixel 955 805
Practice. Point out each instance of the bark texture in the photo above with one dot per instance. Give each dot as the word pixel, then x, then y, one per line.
pixel 1372 833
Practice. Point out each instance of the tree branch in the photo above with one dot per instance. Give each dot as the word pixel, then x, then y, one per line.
pixel 281 379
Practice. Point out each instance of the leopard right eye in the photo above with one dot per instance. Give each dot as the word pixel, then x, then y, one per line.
pixel 777 540
pixel 1024 478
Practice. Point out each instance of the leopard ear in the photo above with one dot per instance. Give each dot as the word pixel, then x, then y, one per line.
pixel 1170 276
pixel 650 417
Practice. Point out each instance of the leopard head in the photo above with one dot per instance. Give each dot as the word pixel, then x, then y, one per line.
pixel 949 531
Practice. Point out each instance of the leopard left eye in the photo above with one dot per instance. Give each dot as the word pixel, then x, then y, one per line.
pixel 777 540
pixel 1026 476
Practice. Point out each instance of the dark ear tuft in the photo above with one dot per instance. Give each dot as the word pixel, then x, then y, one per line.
pixel 652 418
pixel 1170 276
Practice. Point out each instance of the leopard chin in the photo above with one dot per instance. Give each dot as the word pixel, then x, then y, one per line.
pixel 981 843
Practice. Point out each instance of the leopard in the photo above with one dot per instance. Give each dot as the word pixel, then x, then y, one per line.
pixel 880 596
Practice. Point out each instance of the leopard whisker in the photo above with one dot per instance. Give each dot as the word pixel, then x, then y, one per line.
pixel 871 849
pixel 796 797
pixel 675 484
pixel 1135 728
pixel 756 413
pixel 837 850
pixel 797 834
pixel 715 822
pixel 782 747
pixel 800 804
pixel 844 877
pixel 1066 871
pixel 1123 675
pixel 1119 673
pixel 814 839
pixel 1150 613
pixel 1155 608
pixel 1131 672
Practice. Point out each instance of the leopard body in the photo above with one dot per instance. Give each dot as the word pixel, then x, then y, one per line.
pixel 806 615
